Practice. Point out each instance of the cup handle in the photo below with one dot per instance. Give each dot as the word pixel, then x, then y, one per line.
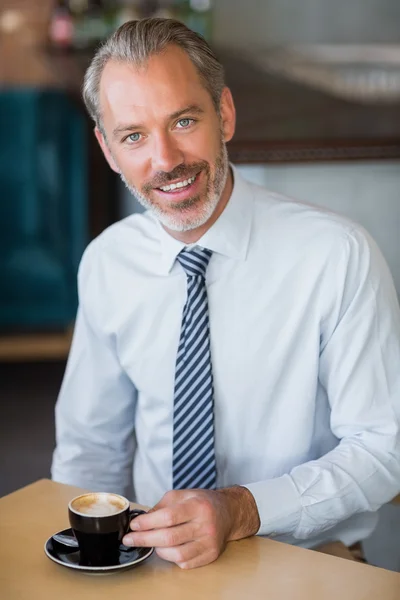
pixel 134 513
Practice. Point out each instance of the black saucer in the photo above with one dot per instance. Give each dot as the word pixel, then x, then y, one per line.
pixel 70 557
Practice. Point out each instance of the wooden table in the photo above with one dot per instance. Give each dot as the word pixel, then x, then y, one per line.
pixel 251 568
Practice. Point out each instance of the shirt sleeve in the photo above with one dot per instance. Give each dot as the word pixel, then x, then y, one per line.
pixel 360 371
pixel 95 410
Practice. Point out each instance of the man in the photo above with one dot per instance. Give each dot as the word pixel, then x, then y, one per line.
pixel 237 350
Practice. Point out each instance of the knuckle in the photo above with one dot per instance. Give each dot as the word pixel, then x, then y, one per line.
pixel 163 553
pixel 213 554
pixel 179 556
pixel 211 530
pixel 169 518
pixel 169 554
pixel 170 538
pixel 172 495
pixel 204 506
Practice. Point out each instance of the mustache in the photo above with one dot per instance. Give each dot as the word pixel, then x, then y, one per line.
pixel 179 172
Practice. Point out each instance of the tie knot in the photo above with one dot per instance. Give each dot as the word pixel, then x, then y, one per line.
pixel 195 261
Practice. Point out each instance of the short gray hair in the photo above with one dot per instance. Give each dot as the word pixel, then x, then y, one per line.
pixel 135 41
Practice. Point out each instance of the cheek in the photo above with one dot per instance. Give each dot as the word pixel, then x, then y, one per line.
pixel 132 165
pixel 201 148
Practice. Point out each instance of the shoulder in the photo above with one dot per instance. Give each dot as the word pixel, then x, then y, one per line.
pixel 132 231
pixel 325 244
pixel 121 245
pixel 334 254
pixel 301 225
pixel 288 212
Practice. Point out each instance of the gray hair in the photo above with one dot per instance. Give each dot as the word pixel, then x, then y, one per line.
pixel 135 41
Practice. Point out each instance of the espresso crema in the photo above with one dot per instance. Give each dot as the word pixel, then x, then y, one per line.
pixel 99 505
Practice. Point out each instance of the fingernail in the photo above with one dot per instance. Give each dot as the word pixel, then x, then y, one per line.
pixel 135 526
pixel 128 540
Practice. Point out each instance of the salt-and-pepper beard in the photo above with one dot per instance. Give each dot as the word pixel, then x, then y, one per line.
pixel 206 207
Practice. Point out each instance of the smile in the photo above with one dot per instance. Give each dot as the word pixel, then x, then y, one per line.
pixel 180 184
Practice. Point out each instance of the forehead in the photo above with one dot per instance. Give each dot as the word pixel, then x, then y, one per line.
pixel 166 82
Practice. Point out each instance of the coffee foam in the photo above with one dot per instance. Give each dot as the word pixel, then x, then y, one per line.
pixel 98 505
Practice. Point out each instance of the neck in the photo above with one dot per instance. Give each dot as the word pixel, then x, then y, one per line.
pixel 193 235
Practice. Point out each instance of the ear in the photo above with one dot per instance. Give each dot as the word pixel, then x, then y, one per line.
pixel 106 151
pixel 228 114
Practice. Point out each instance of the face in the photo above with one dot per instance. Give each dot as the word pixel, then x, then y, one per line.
pixel 165 138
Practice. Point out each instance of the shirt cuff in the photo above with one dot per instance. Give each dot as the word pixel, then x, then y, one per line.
pixel 279 505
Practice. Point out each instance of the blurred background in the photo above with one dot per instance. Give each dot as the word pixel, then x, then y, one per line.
pixel 317 89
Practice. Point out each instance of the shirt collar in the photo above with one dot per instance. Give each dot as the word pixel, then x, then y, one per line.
pixel 228 236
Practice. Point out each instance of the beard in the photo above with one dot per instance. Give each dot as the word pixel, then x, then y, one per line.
pixel 194 211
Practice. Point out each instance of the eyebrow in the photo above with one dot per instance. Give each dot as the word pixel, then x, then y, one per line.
pixel 192 108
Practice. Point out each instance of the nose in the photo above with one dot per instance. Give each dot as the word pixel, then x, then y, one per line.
pixel 166 154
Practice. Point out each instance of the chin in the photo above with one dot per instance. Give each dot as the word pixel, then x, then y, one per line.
pixel 187 218
pixel 179 225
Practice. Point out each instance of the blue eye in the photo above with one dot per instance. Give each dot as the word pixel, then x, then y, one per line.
pixel 134 137
pixel 185 123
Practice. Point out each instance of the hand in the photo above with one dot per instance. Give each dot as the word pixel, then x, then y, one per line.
pixel 191 527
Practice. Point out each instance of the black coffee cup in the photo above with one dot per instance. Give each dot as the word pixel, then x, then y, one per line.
pixel 99 521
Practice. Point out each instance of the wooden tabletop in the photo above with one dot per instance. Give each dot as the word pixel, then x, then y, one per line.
pixel 251 568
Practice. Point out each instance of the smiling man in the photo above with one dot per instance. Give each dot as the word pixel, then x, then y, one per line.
pixel 173 159
pixel 235 351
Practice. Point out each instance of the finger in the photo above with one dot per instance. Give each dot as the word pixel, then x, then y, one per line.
pixel 190 555
pixel 175 497
pixel 161 538
pixel 178 554
pixel 200 560
pixel 170 516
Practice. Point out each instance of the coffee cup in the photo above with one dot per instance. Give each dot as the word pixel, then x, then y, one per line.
pixel 99 521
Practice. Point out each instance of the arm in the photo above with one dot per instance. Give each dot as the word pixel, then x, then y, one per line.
pixel 95 410
pixel 359 369
pixel 192 527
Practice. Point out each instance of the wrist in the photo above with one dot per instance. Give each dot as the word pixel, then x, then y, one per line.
pixel 244 519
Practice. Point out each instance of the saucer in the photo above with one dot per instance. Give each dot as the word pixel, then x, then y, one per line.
pixel 70 557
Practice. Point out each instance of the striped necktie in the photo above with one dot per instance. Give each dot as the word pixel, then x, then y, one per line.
pixel 193 444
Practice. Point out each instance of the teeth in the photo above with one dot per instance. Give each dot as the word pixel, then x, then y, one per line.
pixel 180 184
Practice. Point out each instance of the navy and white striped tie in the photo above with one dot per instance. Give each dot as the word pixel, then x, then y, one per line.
pixel 193 444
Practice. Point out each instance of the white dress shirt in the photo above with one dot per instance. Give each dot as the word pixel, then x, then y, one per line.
pixel 305 330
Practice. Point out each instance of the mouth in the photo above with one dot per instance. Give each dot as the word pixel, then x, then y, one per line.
pixel 180 189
